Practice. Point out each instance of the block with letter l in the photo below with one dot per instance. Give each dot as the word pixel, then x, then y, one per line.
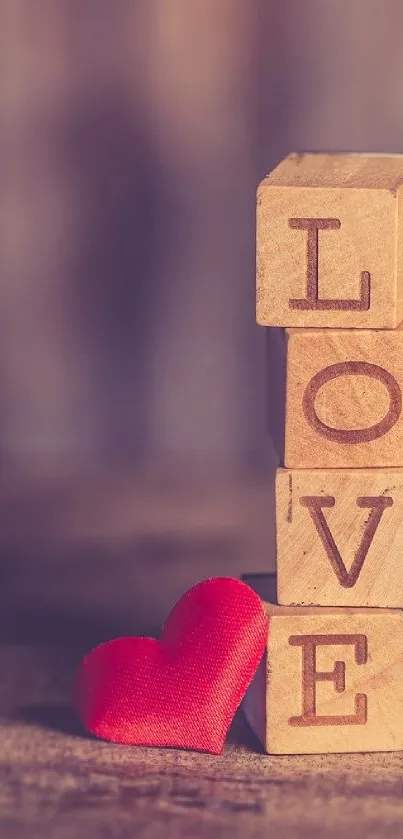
pixel 329 253
pixel 331 681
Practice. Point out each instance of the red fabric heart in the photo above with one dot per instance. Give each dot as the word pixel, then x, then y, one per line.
pixel 183 690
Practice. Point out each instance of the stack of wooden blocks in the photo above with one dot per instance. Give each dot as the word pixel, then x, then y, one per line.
pixel 330 270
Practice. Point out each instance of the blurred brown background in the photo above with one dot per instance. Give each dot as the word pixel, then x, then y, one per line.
pixel 133 135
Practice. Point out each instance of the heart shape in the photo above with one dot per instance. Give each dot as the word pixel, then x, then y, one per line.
pixel 183 690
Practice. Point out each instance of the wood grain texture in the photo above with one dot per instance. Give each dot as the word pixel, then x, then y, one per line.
pixel 331 683
pixel 344 398
pixel 276 351
pixel 327 242
pixel 340 537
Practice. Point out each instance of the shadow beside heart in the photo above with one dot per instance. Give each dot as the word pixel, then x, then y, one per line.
pixel 56 716
pixel 60 717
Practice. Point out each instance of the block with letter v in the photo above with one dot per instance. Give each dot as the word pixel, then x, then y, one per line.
pixel 340 537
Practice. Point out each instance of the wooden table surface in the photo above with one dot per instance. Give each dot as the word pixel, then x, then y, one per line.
pixel 83 562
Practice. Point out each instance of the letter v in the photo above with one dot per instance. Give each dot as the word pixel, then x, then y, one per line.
pixel 315 505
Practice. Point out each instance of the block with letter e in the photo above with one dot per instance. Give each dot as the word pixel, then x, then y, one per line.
pixel 328 249
pixel 331 681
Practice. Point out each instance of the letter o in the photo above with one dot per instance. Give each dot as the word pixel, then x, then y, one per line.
pixel 353 368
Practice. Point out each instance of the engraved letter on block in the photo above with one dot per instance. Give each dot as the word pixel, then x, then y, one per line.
pixel 312 301
pixel 344 398
pixel 328 249
pixel 339 537
pixel 331 682
pixel 310 676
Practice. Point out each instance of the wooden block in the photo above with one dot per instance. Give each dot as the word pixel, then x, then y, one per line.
pixel 332 681
pixel 340 537
pixel 276 350
pixel 344 398
pixel 328 249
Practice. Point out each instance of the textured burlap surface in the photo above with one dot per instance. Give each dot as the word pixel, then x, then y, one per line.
pixel 57 783
pixel 101 557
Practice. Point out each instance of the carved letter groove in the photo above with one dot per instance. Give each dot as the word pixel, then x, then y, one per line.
pixel 315 505
pixel 353 368
pixel 312 300
pixel 310 677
